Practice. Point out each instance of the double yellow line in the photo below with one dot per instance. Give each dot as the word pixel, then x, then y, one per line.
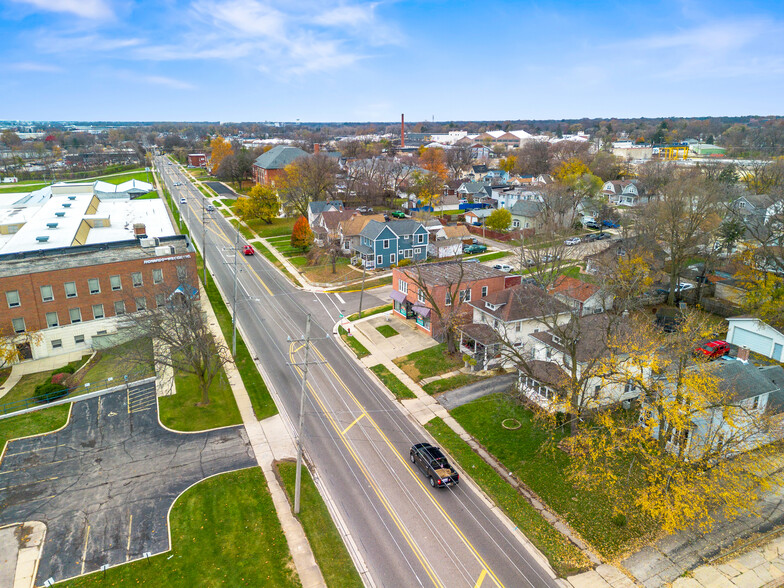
pixel 341 433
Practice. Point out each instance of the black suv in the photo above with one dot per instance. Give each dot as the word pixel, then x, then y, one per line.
pixel 434 465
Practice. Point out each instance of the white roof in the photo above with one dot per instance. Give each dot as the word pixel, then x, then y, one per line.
pixel 521 134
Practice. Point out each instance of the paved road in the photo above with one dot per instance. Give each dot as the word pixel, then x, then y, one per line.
pixel 407 533
pixel 103 485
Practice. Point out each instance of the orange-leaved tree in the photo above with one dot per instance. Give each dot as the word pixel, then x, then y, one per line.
pixel 220 148
pixel 301 235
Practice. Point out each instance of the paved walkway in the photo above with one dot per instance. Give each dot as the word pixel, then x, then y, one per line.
pixel 465 394
pixel 46 364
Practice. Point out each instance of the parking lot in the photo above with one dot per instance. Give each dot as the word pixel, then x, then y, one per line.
pixel 222 189
pixel 103 485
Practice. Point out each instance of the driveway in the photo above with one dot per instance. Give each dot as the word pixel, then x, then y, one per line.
pixel 222 189
pixel 459 396
pixel 103 485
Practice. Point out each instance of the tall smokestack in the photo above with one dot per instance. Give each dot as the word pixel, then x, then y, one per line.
pixel 402 131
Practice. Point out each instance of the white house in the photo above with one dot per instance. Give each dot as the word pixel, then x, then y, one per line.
pixel 757 335
pixel 581 296
pixel 624 192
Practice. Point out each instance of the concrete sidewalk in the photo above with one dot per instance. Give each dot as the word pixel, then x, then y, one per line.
pixel 45 364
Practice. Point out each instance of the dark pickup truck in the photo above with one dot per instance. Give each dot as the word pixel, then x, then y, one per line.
pixel 434 465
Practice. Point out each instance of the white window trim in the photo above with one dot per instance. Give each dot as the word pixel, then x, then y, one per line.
pixel 379 259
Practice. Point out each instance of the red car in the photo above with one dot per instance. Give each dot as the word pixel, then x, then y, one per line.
pixel 713 349
pixel 248 250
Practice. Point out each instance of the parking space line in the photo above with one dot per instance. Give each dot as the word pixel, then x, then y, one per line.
pixel 29 483
pixel 128 545
pixel 84 550
pixel 354 423
pixel 33 450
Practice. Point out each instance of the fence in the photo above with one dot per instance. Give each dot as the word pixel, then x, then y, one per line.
pixel 71 394
pixel 498 236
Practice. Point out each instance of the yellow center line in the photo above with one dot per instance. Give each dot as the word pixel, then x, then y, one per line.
pixel 405 463
pixel 356 420
pixel 298 348
pixel 372 483
pixel 480 579
pixel 84 550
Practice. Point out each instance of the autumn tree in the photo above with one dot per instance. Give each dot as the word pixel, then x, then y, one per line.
pixel 301 235
pixel 11 345
pixel 764 289
pixel 219 148
pixel 261 203
pixel 760 177
pixel 434 160
pixel 499 220
pixel 682 461
pixel 236 167
pixel 457 159
pixel 306 180
pixel 533 158
pixel 508 163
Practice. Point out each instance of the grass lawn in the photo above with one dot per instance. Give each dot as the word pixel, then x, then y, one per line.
pixel 521 451
pixel 429 362
pixel 24 389
pixel 322 274
pixel 357 286
pixel 113 362
pixel 565 558
pixel 34 423
pixel 328 548
pixel 280 239
pixel 494 255
pixel 148 196
pixel 445 384
pixel 278 226
pixel 371 312
pixel 224 532
pixel 230 202
pixel 22 188
pixel 387 331
pixel 244 231
pixel 357 347
pixel 392 382
pixel 4 373
pixel 298 261
pixel 181 413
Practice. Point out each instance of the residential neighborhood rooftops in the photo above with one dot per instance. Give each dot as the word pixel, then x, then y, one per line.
pixel 279 157
pixel 399 227
pixel 742 380
pixel 354 225
pixel 590 334
pixel 451 273
pixel 573 288
pixel 520 302
pixel 528 208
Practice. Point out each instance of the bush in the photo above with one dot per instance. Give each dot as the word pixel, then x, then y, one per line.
pixel 60 378
pixel 66 369
pixel 404 263
pixel 49 391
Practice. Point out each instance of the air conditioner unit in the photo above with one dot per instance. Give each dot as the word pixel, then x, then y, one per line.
pixel 164 250
pixel 148 242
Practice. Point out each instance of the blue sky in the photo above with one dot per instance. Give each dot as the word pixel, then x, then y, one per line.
pixel 349 60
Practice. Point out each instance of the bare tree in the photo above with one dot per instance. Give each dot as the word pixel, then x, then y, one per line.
pixel 458 158
pixel 533 158
pixel 308 179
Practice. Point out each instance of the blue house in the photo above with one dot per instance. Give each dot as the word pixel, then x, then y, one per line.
pixel 382 245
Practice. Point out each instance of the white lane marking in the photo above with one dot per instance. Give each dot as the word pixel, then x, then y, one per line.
pixel 339 298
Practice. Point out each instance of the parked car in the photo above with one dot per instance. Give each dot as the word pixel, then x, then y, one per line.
pixel 210 208
pixel 547 258
pixel 712 349
pixel 602 236
pixel 474 249
pixel 610 224
pixel 504 267
pixel 572 241
pixel 682 287
pixel 591 237
pixel 183 200
pixel 398 214
pixel 591 225
pixel 434 465
pixel 248 250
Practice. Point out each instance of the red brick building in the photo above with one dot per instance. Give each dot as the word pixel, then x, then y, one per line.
pixel 70 296
pixel 269 166
pixel 197 160
pixel 446 285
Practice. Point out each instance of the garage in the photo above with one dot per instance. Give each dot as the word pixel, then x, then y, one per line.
pixel 754 341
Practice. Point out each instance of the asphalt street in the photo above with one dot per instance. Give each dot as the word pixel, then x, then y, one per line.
pixel 357 438
pixel 103 484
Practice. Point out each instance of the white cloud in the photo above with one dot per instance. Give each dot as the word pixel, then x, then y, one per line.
pixel 32 66
pixel 93 9
pixel 168 82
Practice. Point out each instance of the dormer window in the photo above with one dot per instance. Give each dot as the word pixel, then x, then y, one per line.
pixel 491 306
pixel 557 340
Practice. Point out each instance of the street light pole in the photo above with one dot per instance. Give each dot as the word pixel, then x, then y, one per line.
pixel 234 302
pixel 301 417
pixel 204 240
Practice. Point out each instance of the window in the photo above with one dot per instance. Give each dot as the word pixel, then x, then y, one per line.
pixel 119 307
pixel 98 311
pixel 392 258
pixel 157 275
pixel 465 295
pixel 75 315
pixel 516 224
pixel 402 285
pixel 101 332
pixel 116 283
pixel 51 319
pixel 78 339
pixel 518 326
pixel 57 343
pixel 418 250
pixel 70 289
pixel 629 387
pixel 94 286
pixel 182 273
pixel 755 402
pixel 379 260
pixel 421 295
pixel 420 239
pixel 12 297
pixel 408 253
pixel 385 243
pixel 19 325
pixel 596 391
pixel 448 301
pixel 160 299
pixel 141 303
pixel 484 291
pixel 136 278
pixel 47 295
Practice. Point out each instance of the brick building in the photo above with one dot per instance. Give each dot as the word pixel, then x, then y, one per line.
pixel 270 165
pixel 448 285
pixel 72 297
pixel 197 160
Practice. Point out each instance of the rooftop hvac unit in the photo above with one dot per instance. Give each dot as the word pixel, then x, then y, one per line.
pixel 59 214
pixel 42 238
pixel 72 198
pixel 148 242
pixel 66 205
pixel 51 225
pixel 164 250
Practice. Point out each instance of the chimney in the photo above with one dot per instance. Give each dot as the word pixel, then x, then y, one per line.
pixel 402 131
pixel 316 148
pixel 743 354
pixel 139 229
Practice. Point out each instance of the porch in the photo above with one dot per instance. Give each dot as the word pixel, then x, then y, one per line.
pixel 480 342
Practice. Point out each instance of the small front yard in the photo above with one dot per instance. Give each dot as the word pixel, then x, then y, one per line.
pixel 445 384
pixel 278 226
pixel 429 362
pixel 370 312
pixel 392 382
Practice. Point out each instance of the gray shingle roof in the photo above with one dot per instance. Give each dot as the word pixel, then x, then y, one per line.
pixel 279 157
pixel 399 227
pixel 452 272
pixel 527 208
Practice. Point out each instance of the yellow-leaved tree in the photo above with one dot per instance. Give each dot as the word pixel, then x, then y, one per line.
pixel 219 148
pixel 261 203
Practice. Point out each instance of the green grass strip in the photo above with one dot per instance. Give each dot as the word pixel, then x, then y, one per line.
pixel 494 255
pixel 370 312
pixel 357 347
pixel 328 548
pixel 445 384
pixel 565 558
pixel 392 382
pixel 224 532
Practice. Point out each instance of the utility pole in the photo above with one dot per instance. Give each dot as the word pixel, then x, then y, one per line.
pixel 362 291
pixel 204 240
pixel 234 302
pixel 301 417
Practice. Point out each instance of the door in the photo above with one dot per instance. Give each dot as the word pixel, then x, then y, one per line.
pixel 25 352
pixel 754 341
pixel 778 352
